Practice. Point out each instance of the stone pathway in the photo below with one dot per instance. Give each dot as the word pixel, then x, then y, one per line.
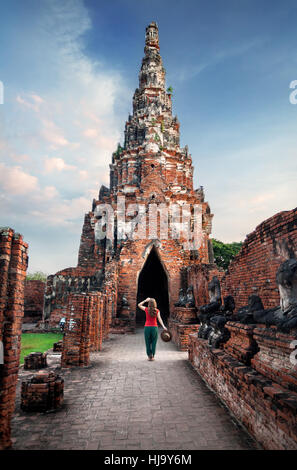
pixel 123 401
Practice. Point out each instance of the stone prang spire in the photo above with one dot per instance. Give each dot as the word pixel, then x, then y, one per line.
pixel 145 230
pixel 151 134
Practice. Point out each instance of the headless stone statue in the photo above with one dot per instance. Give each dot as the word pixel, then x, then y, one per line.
pixel 229 306
pixel 218 333
pixel 284 316
pixel 190 301
pixel 246 314
pixel 214 291
pixel 181 299
pixel 210 309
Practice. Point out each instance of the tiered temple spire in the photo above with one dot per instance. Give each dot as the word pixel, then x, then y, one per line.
pixel 151 133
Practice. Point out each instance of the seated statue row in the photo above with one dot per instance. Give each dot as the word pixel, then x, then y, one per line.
pixel 285 315
pixel 213 316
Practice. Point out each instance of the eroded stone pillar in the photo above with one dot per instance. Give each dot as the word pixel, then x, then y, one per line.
pixel 83 329
pixel 13 266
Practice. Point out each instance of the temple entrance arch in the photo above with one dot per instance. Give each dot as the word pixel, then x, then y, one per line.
pixel 153 282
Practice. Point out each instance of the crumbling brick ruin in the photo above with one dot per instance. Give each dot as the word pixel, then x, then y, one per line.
pixel 254 269
pixel 33 301
pixel 240 327
pixel 13 266
pixel 248 357
pixel 42 392
pixel 85 324
pixel 35 361
pixel 150 168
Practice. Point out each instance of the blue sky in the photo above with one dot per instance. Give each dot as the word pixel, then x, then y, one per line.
pixel 69 70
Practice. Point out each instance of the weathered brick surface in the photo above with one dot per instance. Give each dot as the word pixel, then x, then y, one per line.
pixel 185 315
pixel 199 276
pixel 13 266
pixel 33 300
pixel 35 360
pixel 43 392
pixel 180 333
pixel 267 409
pixel 59 286
pixel 253 270
pixel 182 322
pixel 274 359
pixel 253 373
pixel 84 329
pixel 151 168
pixel 242 344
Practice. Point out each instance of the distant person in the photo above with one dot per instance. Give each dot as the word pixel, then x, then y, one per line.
pixel 151 326
pixel 62 323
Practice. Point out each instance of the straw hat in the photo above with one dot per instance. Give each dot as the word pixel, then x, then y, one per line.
pixel 166 335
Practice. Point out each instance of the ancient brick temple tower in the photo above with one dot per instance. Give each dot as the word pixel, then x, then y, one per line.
pixel 150 170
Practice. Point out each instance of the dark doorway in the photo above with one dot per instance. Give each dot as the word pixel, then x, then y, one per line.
pixel 153 282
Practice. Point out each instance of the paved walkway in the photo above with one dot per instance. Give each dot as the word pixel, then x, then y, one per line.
pixel 123 401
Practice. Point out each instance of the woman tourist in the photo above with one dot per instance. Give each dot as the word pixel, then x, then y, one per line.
pixel 151 326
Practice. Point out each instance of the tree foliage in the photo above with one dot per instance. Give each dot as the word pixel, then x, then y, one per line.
pixel 36 276
pixel 225 252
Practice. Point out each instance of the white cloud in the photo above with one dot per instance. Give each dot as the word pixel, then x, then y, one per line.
pixel 263 187
pixel 32 101
pixel 58 164
pixel 91 133
pixel 50 192
pixel 83 174
pixel 53 134
pixel 67 114
pixel 68 213
pixel 15 181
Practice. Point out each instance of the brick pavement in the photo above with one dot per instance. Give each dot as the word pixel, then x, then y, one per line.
pixel 123 401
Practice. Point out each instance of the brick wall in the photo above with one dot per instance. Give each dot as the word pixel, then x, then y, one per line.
pixel 254 269
pixel 252 373
pixel 33 300
pixel 13 266
pixel 267 409
pixel 59 286
pixel 199 276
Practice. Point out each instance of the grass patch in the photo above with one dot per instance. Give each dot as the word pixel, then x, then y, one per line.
pixel 37 342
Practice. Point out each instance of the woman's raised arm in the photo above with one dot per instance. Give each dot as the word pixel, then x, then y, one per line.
pixel 140 305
